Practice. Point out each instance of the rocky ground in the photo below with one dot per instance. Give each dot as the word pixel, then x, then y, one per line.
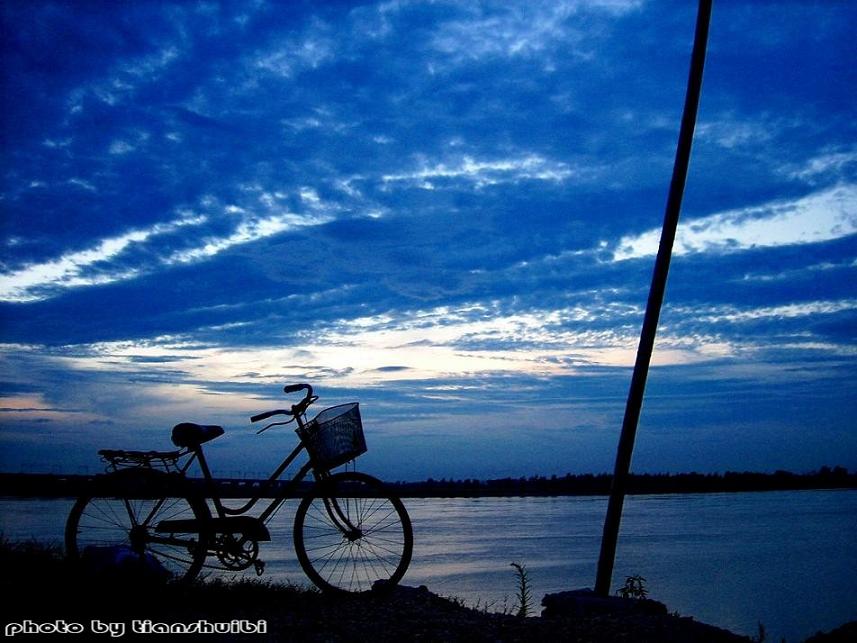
pixel 406 614
pixel 44 590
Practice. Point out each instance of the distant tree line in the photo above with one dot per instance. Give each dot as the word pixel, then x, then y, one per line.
pixel 640 483
pixel 587 484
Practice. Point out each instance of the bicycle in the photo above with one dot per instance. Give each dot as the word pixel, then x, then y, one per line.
pixel 350 533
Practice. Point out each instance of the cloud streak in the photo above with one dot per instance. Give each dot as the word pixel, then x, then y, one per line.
pixel 815 218
pixel 102 263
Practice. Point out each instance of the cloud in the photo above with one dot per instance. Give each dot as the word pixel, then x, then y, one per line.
pixel 516 31
pixel 121 147
pixel 35 281
pixel 825 165
pixel 821 216
pixel 289 58
pixel 481 172
pixel 247 231
pixel 101 264
pixel 733 134
pixel 478 340
pixel 733 314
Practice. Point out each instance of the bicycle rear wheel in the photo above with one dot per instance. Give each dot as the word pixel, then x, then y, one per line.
pixel 122 532
pixel 350 533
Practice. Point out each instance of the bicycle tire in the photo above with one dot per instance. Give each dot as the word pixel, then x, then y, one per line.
pixel 124 526
pixel 380 550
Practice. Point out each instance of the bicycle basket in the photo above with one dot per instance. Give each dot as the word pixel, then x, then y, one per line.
pixel 334 436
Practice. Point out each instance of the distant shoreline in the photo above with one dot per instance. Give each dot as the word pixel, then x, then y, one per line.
pixel 37 485
pixel 638 484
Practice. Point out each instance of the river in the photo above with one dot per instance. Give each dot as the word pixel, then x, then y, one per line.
pixel 784 559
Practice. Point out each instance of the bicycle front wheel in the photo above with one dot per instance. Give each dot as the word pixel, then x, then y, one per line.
pixel 121 532
pixel 350 533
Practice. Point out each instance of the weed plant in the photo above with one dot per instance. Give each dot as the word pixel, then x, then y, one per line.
pixel 524 594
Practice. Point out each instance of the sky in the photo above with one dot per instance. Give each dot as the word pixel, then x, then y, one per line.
pixel 445 211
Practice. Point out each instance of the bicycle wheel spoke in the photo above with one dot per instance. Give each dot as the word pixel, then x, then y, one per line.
pixel 372 509
pixel 176 509
pixel 329 559
pixel 391 517
pixel 108 508
pixel 110 522
pixel 370 561
pixel 367 561
pixel 377 549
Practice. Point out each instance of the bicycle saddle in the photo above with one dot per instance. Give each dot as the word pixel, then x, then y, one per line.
pixel 189 434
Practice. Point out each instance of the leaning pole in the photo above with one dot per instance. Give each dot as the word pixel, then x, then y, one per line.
pixel 653 307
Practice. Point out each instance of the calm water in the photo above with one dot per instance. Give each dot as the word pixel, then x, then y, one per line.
pixel 786 559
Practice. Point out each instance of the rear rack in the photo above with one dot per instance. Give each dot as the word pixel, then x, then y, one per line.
pixel 117 459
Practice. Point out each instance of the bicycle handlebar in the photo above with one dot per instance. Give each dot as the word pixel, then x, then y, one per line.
pixel 297 409
pixel 294 388
pixel 267 414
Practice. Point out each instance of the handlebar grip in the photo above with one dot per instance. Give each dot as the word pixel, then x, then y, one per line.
pixel 294 388
pixel 267 414
pixel 300 407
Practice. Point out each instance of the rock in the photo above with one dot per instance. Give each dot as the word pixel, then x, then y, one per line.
pixel 585 602
pixel 401 591
pixel 843 634
pixel 120 561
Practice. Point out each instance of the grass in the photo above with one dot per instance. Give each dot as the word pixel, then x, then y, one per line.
pixel 41 583
pixel 635 587
pixel 42 586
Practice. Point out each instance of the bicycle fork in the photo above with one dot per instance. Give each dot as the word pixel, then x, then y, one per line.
pixel 342 520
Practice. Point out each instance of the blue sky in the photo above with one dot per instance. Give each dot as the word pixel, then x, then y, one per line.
pixel 448 211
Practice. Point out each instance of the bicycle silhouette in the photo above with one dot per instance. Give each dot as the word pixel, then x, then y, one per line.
pixel 350 533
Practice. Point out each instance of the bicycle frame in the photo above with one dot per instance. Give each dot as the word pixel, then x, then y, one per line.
pixel 224 513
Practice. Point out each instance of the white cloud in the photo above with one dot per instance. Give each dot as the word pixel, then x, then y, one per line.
pixel 437 344
pixel 521 30
pixel 823 166
pixel 27 283
pixel 432 345
pixel 361 351
pixel 783 275
pixel 97 264
pixel 785 311
pixel 151 66
pixel 250 230
pixel 731 132
pixel 295 54
pixel 120 147
pixel 54 144
pixel 487 172
pixel 82 183
pixel 123 79
pixel 821 216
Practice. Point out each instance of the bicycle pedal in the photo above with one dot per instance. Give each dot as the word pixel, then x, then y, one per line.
pixel 260 567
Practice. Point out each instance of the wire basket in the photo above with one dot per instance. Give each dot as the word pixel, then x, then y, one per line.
pixel 334 436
